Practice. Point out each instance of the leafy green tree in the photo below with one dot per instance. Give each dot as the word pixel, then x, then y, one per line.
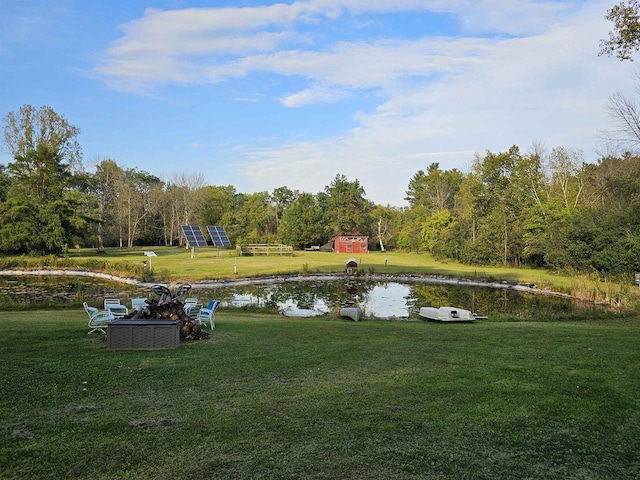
pixel 434 190
pixel 495 202
pixel 29 128
pixel 103 186
pixel 467 212
pixel 614 218
pixel 433 229
pixel 409 234
pixel 216 201
pixel 429 195
pixel 39 174
pixel 39 214
pixel 5 183
pixel 551 227
pixel 29 228
pixel 134 213
pixel 301 224
pixel 281 198
pixel 497 206
pixel 347 209
pixel 251 220
pixel 624 39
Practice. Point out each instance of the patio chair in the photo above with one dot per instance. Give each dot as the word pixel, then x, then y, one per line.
pixel 208 313
pixel 192 310
pixel 138 303
pixel 213 305
pixel 98 319
pixel 189 302
pixel 115 307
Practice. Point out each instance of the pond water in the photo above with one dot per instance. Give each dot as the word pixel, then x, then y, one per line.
pixel 392 300
pixel 377 299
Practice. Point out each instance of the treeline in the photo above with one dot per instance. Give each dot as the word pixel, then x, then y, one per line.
pixel 542 209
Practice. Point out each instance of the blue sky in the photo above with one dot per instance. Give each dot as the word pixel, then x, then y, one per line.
pixel 259 95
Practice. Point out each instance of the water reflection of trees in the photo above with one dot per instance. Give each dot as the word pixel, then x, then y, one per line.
pixel 491 301
pixel 307 295
pixel 335 294
pixel 58 290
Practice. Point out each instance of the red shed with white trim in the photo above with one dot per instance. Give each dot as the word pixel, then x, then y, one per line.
pixel 351 244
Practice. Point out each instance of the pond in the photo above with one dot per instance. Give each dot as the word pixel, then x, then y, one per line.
pixel 393 300
pixel 377 299
pixel 20 292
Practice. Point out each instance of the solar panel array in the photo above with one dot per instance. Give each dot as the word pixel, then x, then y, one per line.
pixel 194 236
pixel 218 236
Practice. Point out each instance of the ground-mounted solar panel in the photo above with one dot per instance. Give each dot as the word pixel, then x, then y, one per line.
pixel 194 236
pixel 218 236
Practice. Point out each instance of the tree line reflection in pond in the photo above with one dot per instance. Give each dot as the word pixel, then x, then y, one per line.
pixel 395 300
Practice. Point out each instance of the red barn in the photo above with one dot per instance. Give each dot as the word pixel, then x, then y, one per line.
pixel 351 244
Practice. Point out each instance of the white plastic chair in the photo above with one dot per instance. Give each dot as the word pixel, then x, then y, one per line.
pixel 205 315
pixel 192 310
pixel 138 303
pixel 208 314
pixel 98 319
pixel 115 307
pixel 189 302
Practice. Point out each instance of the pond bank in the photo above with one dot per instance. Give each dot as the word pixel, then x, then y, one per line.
pixel 268 280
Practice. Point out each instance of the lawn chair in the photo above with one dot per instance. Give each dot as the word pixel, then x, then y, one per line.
pixel 189 302
pixel 208 313
pixel 192 310
pixel 138 303
pixel 115 307
pixel 213 305
pixel 98 319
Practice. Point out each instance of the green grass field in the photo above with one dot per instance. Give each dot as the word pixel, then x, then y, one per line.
pixel 279 398
pixel 209 263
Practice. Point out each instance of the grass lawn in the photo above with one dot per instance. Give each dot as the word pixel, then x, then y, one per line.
pixel 209 263
pixel 280 398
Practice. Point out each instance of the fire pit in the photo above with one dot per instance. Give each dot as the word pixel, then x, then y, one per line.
pixel 127 334
pixel 161 323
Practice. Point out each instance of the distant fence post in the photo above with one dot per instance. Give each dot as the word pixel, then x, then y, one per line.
pixel 638 279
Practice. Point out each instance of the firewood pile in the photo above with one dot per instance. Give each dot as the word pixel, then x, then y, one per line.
pixel 170 307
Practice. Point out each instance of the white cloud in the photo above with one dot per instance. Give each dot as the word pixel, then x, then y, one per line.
pixel 523 71
pixel 489 94
pixel 197 38
pixel 317 94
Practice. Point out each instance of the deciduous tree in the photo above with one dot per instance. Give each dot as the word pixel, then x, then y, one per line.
pixel 39 213
pixel 347 209
pixel 301 224
pixel 624 39
pixel 29 128
pixel 387 223
pixel 103 185
pixel 281 198
pixel 434 190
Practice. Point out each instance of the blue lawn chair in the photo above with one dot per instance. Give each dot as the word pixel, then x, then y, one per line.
pixel 207 313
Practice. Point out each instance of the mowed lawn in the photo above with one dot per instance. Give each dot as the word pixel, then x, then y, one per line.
pixel 269 397
pixel 210 263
